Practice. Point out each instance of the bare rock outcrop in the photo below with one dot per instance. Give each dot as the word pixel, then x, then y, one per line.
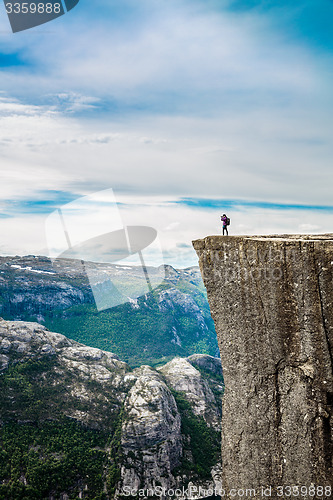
pixel 271 298
pixel 182 376
pixel 152 437
pixel 77 381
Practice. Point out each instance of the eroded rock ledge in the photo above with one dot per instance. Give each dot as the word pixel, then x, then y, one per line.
pixel 150 416
pixel 271 298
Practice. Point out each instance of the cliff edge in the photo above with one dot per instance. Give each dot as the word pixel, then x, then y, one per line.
pixel 271 298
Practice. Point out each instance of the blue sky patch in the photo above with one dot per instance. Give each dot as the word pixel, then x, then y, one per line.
pixel 202 203
pixel 44 204
pixel 10 60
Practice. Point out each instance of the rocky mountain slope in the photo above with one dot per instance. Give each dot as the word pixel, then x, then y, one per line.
pixel 76 422
pixel 172 320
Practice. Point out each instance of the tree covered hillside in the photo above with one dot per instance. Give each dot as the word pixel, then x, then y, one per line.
pixel 77 422
pixel 174 319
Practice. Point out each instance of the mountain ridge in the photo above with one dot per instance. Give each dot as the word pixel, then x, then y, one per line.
pixel 174 319
pixel 150 431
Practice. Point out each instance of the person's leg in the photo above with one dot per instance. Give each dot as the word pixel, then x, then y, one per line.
pixel 226 228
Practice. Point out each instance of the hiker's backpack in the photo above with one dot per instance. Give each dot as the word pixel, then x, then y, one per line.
pixel 228 221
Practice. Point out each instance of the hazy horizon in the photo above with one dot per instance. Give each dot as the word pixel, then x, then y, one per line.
pixel 186 109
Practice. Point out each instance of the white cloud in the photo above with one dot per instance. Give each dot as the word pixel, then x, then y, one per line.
pixel 72 102
pixel 247 155
pixel 309 228
pixel 182 101
pixel 12 107
pixel 173 51
pixel 177 226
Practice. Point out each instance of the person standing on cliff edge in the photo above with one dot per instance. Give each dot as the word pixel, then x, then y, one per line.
pixel 225 223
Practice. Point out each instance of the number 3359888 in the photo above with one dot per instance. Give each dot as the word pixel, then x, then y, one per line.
pixel 33 8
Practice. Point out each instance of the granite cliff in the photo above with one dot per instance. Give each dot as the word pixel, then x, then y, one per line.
pixel 271 298
pixel 77 422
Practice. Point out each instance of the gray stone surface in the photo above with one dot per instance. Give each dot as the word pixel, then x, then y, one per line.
pixel 151 437
pixel 271 298
pixel 182 376
pixel 95 388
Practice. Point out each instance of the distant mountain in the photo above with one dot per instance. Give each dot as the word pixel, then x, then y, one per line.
pixel 76 422
pixel 172 320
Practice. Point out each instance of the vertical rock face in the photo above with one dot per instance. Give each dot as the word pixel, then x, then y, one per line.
pixel 271 299
pixel 182 376
pixel 151 436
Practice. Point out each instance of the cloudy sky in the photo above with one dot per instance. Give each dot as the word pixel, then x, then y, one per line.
pixel 185 108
